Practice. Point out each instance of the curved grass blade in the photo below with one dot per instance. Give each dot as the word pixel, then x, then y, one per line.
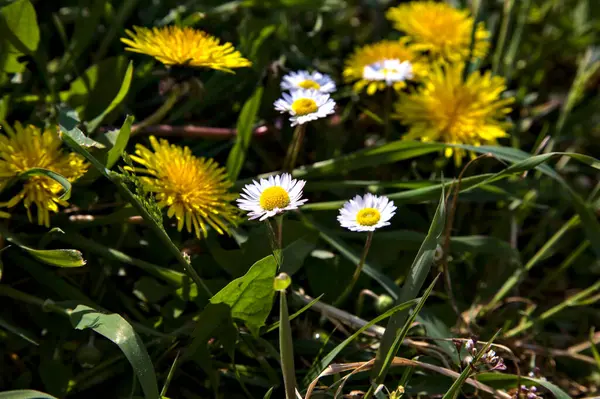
pixel 507 381
pixel 57 177
pixel 118 330
pixel 25 394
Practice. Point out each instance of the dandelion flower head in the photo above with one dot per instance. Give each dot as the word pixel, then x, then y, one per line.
pixel 174 45
pixel 308 80
pixel 367 213
pixel 30 147
pixel 386 63
pixel 194 190
pixel 305 105
pixel 272 196
pixel 439 29
pixel 450 110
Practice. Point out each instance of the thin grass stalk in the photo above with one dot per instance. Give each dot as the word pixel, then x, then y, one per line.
pixel 174 95
pixel 506 14
pixel 571 301
pixel 515 42
pixel 357 271
pixel 519 273
pixel 286 348
pixel 294 148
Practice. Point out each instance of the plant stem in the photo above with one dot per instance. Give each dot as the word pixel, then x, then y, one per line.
pixel 294 148
pixel 357 272
pixel 158 115
pixel 286 348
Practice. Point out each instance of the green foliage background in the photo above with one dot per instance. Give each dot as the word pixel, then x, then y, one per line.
pixel 106 304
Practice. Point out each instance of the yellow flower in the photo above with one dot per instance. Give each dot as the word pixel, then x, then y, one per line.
pixel 439 29
pixel 195 190
pixel 386 63
pixel 173 45
pixel 29 147
pixel 454 111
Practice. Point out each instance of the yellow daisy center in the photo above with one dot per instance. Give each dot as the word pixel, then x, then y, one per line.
pixel 304 106
pixel 368 217
pixel 309 84
pixel 274 197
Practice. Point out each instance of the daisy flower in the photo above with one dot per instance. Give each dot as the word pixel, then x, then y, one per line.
pixel 366 213
pixel 185 46
pixel 440 30
pixel 308 80
pixel 451 110
pixel 305 105
pixel 195 190
pixel 386 63
pixel 272 196
pixel 31 147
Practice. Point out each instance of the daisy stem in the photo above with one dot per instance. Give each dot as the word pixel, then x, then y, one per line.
pixel 357 272
pixel 158 115
pixel 276 234
pixel 294 148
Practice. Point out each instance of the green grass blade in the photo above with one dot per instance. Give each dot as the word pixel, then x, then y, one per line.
pixel 25 394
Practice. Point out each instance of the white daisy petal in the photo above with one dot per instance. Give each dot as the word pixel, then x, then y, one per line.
pixel 302 80
pixel 390 71
pixel 305 106
pixel 367 213
pixel 269 197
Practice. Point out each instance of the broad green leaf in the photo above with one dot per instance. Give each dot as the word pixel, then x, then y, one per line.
pixel 123 90
pixel 25 394
pixel 118 330
pixel 97 87
pixel 245 126
pixel 414 282
pixel 68 120
pixel 60 179
pixel 120 143
pixel 319 366
pixel 18 25
pixel 507 381
pixel 251 296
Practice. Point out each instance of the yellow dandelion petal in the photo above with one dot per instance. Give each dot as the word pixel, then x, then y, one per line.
pixel 386 63
pixel 194 190
pixel 29 147
pixel 439 29
pixel 450 110
pixel 174 45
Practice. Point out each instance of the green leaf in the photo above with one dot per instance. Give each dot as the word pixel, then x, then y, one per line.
pixel 25 394
pixel 295 253
pixel 60 179
pixel 251 296
pixel 118 330
pixel 93 92
pixel 120 143
pixel 275 325
pixel 268 394
pixel 245 126
pixel 18 24
pixel 123 90
pixel 319 366
pixel 507 381
pixel 68 119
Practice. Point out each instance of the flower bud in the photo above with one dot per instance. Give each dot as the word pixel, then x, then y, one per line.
pixel 281 282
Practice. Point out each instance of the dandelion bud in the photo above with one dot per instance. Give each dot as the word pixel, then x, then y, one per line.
pixel 282 282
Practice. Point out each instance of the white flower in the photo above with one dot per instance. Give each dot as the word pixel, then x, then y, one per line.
pixel 366 213
pixel 308 80
pixel 305 105
pixel 389 70
pixel 271 196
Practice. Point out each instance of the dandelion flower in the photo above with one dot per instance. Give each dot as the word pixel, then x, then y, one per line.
pixel 195 190
pixel 367 213
pixel 174 45
pixel 272 196
pixel 30 147
pixel 386 63
pixel 451 110
pixel 439 29
pixel 305 105
pixel 308 80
